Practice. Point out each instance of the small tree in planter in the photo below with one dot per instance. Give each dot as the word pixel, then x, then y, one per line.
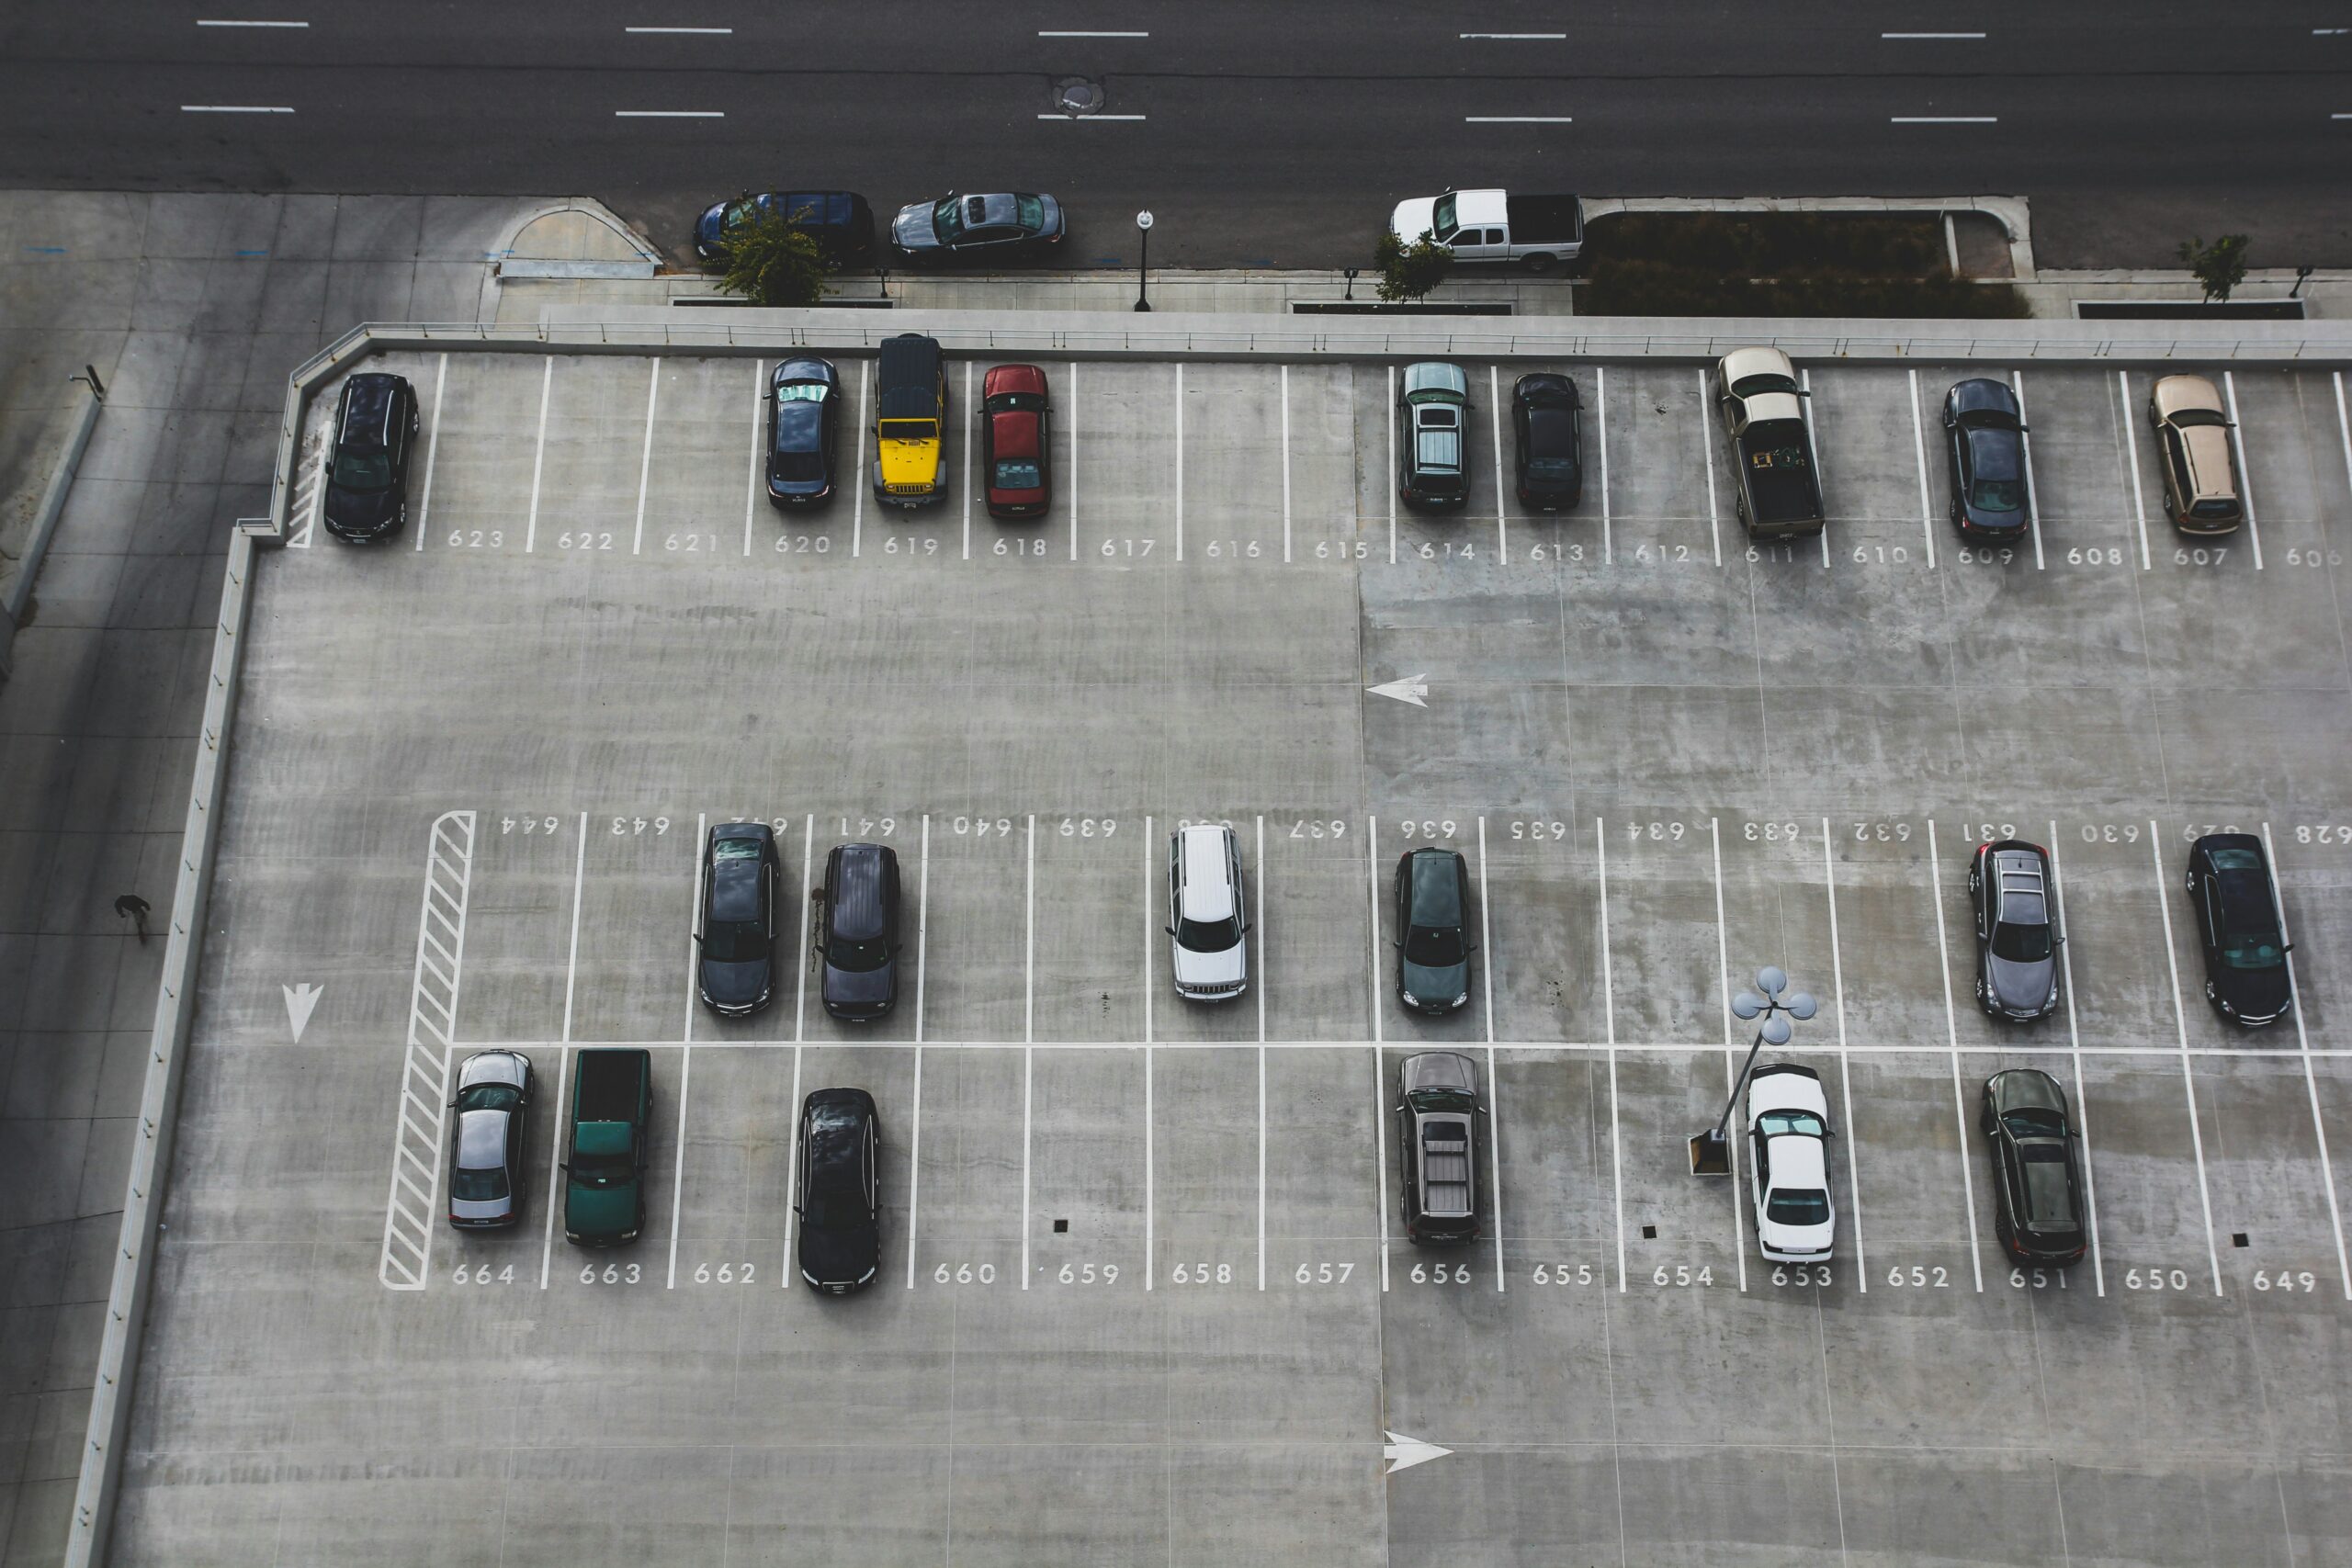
pixel 2220 266
pixel 769 262
pixel 1409 272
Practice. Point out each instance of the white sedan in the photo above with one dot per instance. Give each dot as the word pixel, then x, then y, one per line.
pixel 1788 1137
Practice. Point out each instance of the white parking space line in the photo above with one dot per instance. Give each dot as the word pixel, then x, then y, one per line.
pixel 971 434
pixel 1388 483
pixel 1919 451
pixel 1084 33
pixel 1263 972
pixel 697 32
pixel 1731 1045
pixel 230 24
pixel 2310 1084
pixel 1180 460
pixel 424 1071
pixel 923 973
pixel 1494 1079
pixel 1069 488
pixel 1930 36
pixel 1952 1032
pixel 2131 462
pixel 572 959
pixel 645 466
pixel 1519 37
pixel 236 108
pixel 2180 1024
pixel 1714 516
pixel 1517 119
pixel 1845 1064
pixel 1609 1014
pixel 300 538
pixel 1286 465
pixel 2032 493
pixel 1150 937
pixel 2245 476
pixel 669 114
pixel 1813 448
pixel 1379 1087
pixel 1028 1039
pixel 2343 431
pixel 686 1034
pixel 1600 406
pixel 1943 120
pixel 759 444
pixel 1495 429
pixel 538 455
pixel 564 1057
pixel 2074 1046
pixel 791 1176
pixel 857 496
pixel 432 443
pixel 800 952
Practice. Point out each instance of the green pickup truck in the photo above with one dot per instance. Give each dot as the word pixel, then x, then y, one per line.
pixel 612 1112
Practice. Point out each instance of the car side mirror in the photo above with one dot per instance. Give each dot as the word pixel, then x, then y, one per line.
pixel 1248 926
pixel 1170 929
pixel 564 1165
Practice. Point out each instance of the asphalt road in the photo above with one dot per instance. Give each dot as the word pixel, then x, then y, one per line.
pixel 1267 135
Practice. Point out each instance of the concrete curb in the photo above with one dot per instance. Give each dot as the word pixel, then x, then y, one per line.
pixel 45 517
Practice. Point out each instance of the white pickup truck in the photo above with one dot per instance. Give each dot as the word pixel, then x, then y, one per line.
pixel 1537 232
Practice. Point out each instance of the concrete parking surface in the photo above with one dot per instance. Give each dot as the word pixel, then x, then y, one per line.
pixel 1145 1295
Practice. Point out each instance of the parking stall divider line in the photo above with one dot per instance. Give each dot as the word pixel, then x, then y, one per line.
pixel 759 450
pixel 686 1043
pixel 1263 977
pixel 802 954
pixel 1601 406
pixel 1069 483
pixel 1286 465
pixel 1028 1039
pixel 1388 483
pixel 2032 495
pixel 2343 431
pixel 539 457
pixel 432 443
pixel 1379 1094
pixel 1919 451
pixel 972 414
pixel 857 490
pixel 572 957
pixel 2074 1047
pixel 1951 1033
pixel 1180 460
pixel 923 973
pixel 1495 429
pixel 1609 1015
pixel 2310 1084
pixel 2180 1025
pixel 1813 449
pixel 2131 456
pixel 1707 461
pixel 1731 1046
pixel 1845 1063
pixel 1150 936
pixel 645 466
pixel 555 1166
pixel 425 1071
pixel 791 1176
pixel 2245 476
pixel 1494 1079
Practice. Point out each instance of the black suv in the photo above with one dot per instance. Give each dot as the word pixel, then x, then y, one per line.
pixel 1439 1130
pixel 1432 930
pixel 735 966
pixel 2017 929
pixel 857 931
pixel 840 1189
pixel 2238 926
pixel 2037 1177
pixel 1547 421
pixel 366 480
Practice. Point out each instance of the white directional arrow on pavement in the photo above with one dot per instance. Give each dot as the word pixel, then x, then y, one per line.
pixel 1413 689
pixel 300 1002
pixel 1404 1453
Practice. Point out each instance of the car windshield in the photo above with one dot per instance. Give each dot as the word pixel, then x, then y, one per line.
pixel 734 941
pixel 802 392
pixel 490 1097
pixel 2215 509
pixel 362 470
pixel 2034 1123
pixel 1033 213
pixel 477 1186
pixel 2022 944
pixel 1433 947
pixel 1996 495
pixel 947 217
pixel 1802 1124
pixel 2187 417
pixel 1441 223
pixel 1757 386
pixel 1798 1206
pixel 1551 468
pixel 740 212
pixel 1018 473
pixel 1208 936
pixel 858 957
pixel 1443 1100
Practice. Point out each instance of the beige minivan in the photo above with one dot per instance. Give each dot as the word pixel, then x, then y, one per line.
pixel 2193 448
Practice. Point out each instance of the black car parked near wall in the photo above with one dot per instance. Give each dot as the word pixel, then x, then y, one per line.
pixel 857 931
pixel 366 479
pixel 1984 456
pixel 804 430
pixel 1547 422
pixel 2236 910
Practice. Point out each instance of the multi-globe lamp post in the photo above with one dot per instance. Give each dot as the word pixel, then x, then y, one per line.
pixel 1773 1004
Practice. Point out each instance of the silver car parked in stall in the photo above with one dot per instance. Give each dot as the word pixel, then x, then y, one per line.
pixel 492 1112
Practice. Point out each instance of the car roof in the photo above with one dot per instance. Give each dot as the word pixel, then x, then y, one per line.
pixel 1434 887
pixel 2173 393
pixel 1206 894
pixel 1799 1160
pixel 909 357
pixel 1981 394
pixel 1742 363
pixel 1436 376
pixel 735 889
pixel 856 912
pixel 1013 432
pixel 1012 378
pixel 481 1139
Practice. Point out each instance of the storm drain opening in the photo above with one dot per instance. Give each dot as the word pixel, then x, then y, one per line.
pixel 2239 1238
pixel 1060 1226
pixel 1649 1232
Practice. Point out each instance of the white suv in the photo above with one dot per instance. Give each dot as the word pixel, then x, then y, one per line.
pixel 1788 1135
pixel 1208 955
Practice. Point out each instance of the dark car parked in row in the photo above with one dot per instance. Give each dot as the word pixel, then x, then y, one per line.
pixel 2037 1175
pixel 1006 226
pixel 1433 436
pixel 1016 442
pixel 735 964
pixel 840 1189
pixel 839 220
pixel 2238 926
pixel 857 931
pixel 491 1110
pixel 1547 421
pixel 1432 930
pixel 804 430
pixel 2017 929
pixel 1984 453
pixel 1439 1137
pixel 367 478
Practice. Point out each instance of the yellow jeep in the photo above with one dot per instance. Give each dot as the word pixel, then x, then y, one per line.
pixel 910 422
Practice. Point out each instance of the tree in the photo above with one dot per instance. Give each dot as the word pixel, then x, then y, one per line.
pixel 770 262
pixel 2220 266
pixel 1408 272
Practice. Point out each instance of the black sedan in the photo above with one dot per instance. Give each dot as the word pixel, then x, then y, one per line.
pixel 2017 929
pixel 1008 226
pixel 840 1189
pixel 1547 421
pixel 2238 926
pixel 366 479
pixel 1432 937
pixel 1984 450
pixel 857 931
pixel 742 870
pixel 2037 1205
pixel 839 220
pixel 492 1110
pixel 804 430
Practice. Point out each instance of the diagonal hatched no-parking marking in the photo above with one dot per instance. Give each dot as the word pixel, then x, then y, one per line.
pixel 414 1195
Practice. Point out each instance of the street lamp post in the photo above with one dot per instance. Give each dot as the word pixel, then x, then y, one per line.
pixel 1143 259
pixel 1711 1150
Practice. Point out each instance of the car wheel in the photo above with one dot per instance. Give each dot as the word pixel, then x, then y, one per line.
pixel 1539 263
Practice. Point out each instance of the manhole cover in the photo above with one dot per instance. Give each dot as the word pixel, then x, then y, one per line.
pixel 1075 94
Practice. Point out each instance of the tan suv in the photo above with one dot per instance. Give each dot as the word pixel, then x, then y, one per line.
pixel 2193 446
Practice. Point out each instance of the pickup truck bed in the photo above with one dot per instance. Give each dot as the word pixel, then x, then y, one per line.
pixel 609 1086
pixel 1544 220
pixel 1783 493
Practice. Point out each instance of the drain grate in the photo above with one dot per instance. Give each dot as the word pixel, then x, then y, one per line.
pixel 1649 1232
pixel 2239 1238
pixel 1060 1226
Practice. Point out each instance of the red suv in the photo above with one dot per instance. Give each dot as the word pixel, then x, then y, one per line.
pixel 1016 423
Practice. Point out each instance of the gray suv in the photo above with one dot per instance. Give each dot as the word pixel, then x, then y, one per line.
pixel 2017 929
pixel 1209 953
pixel 1440 1130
